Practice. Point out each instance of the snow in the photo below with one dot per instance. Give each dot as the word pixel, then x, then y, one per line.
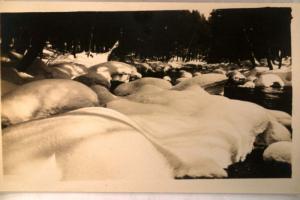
pixel 279 151
pixel 282 117
pixel 96 144
pixel 167 78
pixel 104 95
pixel 276 132
pixel 132 87
pixel 114 70
pixel 93 78
pixel 153 133
pixel 248 84
pixel 269 80
pixel 82 58
pixel 40 99
pixel 7 87
pixel 204 133
pixel 185 74
pixel 203 80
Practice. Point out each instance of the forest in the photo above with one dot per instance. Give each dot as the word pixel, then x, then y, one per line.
pixel 228 35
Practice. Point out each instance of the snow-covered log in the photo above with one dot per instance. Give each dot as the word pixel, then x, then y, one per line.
pixel 40 99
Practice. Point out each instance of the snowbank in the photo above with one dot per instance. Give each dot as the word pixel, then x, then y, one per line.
pixel 279 151
pixel 85 144
pixel 203 80
pixel 204 133
pixel 40 99
pixel 132 87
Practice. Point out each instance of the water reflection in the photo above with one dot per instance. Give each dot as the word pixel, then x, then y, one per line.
pixel 268 97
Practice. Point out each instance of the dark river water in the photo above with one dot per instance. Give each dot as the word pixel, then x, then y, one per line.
pixel 271 98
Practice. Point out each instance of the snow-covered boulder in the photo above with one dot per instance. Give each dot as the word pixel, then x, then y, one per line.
pixel 236 77
pixel 269 80
pixel 167 78
pixel 203 81
pixel 131 87
pixel 282 117
pixel 279 151
pixel 200 134
pixel 104 95
pixel 40 99
pixel 248 84
pixel 185 74
pixel 118 71
pixel 93 78
pixel 179 80
pixel 277 132
pixel 219 71
pixel 197 74
pixel 86 144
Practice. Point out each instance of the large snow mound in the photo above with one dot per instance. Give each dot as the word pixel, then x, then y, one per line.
pixel 203 80
pixel 132 87
pixel 85 144
pixel 279 151
pixel 43 98
pixel 204 133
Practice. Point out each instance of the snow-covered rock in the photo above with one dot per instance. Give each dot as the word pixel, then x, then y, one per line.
pixel 40 99
pixel 179 80
pixel 282 117
pixel 133 86
pixel 185 74
pixel 279 151
pixel 197 74
pixel 269 80
pixel 219 71
pixel 104 95
pixel 248 84
pixel 167 78
pixel 114 70
pixel 203 80
pixel 86 144
pixel 93 78
pixel 204 133
pixel 236 77
pixel 276 132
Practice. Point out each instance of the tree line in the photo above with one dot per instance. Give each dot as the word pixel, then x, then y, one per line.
pixel 227 35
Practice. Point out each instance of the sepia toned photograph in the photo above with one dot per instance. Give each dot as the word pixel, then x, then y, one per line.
pixel 174 96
